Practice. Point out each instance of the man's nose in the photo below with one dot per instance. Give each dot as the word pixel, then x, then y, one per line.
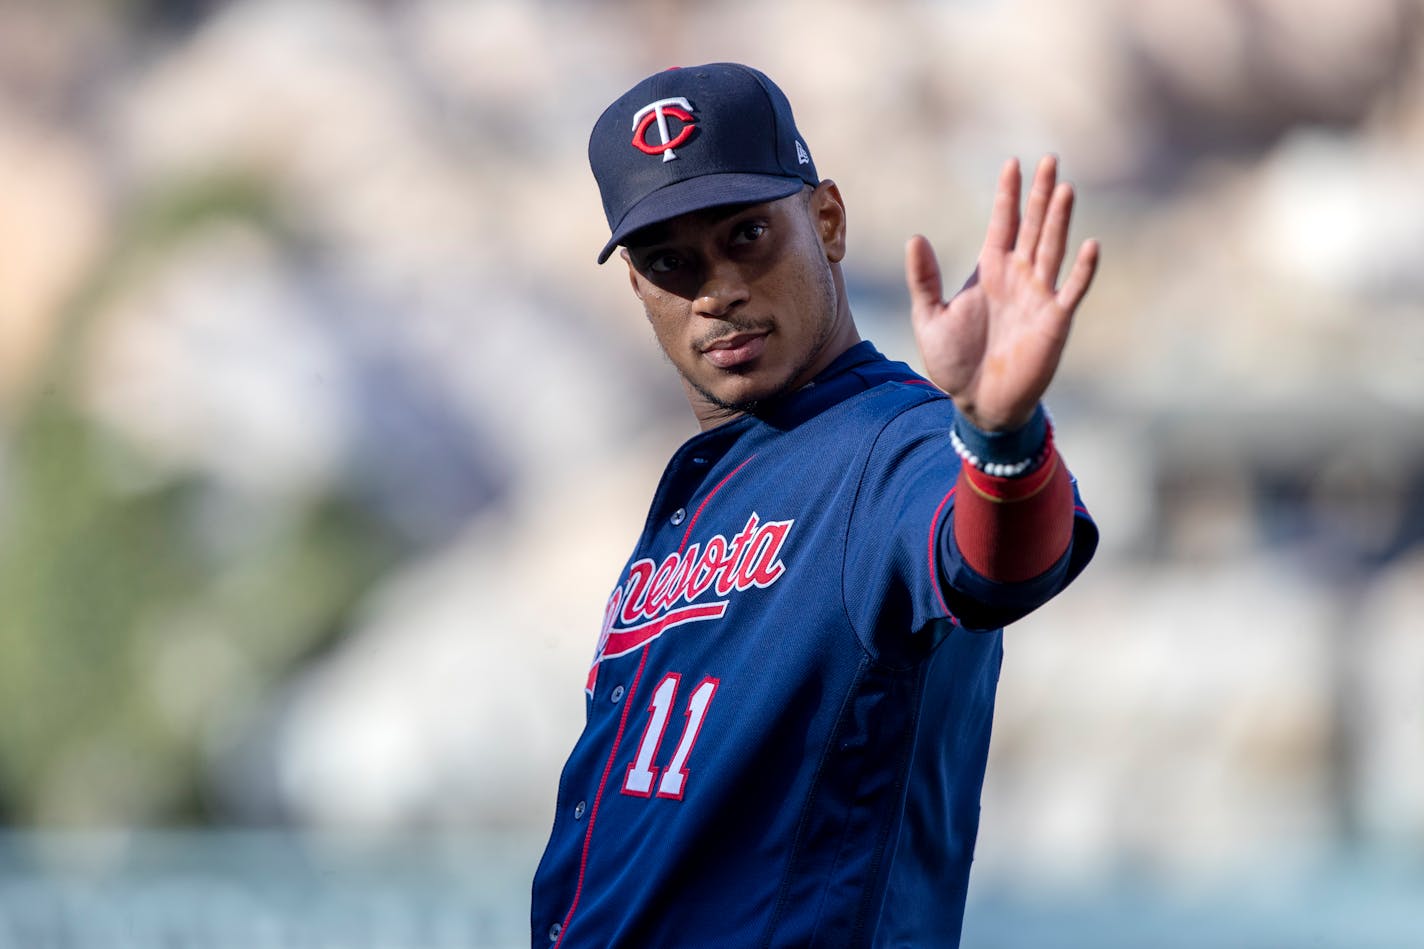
pixel 723 290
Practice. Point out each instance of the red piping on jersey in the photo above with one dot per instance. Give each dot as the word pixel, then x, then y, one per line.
pixel 598 798
pixel 623 722
pixel 698 513
pixel 934 521
pixel 934 573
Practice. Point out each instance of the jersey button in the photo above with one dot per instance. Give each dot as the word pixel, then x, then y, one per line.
pixel 554 931
pixel 616 695
pixel 678 517
pixel 579 808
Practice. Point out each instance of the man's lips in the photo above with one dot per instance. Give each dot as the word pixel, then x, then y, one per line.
pixel 735 350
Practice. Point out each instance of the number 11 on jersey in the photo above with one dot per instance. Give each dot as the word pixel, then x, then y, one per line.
pixel 642 773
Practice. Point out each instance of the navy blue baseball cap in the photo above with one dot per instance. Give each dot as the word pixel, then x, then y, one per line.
pixel 692 138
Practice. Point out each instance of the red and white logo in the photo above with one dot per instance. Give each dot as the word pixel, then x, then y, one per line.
pixel 656 113
pixel 656 597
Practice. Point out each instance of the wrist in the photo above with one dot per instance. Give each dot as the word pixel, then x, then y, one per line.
pixel 1008 453
pixel 984 423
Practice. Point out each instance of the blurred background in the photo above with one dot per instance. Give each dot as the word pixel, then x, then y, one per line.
pixel 322 439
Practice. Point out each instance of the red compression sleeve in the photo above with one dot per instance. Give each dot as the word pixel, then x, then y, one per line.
pixel 1013 529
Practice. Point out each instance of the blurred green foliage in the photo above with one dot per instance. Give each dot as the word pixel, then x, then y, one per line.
pixel 134 643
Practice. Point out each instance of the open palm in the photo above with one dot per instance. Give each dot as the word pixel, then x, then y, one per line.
pixel 995 346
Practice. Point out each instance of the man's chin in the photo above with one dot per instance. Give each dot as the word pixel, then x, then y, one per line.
pixel 745 399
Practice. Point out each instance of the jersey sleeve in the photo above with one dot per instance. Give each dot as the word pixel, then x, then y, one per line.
pixel 903 570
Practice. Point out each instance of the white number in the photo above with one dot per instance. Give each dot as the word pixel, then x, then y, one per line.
pixel 675 776
pixel 642 773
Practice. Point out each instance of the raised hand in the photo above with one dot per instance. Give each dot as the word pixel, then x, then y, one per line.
pixel 995 346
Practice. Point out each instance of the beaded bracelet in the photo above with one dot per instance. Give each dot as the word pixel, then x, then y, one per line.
pixel 1004 469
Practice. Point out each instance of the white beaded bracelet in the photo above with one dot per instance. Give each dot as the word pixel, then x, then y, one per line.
pixel 1003 469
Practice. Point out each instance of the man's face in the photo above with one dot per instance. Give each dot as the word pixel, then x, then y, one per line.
pixel 743 299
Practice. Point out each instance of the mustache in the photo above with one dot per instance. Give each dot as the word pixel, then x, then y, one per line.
pixel 724 328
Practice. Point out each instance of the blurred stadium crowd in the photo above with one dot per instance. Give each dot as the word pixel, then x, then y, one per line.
pixel 322 436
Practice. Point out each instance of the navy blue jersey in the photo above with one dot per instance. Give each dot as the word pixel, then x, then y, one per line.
pixel 790 702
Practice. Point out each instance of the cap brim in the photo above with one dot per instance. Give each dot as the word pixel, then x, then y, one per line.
pixel 696 194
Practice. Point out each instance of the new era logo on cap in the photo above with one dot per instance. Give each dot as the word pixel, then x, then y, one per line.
pixel 701 136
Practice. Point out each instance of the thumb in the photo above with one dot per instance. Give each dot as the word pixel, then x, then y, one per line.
pixel 922 277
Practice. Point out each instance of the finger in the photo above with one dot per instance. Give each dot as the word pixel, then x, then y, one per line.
pixel 1004 219
pixel 1038 195
pixel 1080 277
pixel 922 277
pixel 1054 241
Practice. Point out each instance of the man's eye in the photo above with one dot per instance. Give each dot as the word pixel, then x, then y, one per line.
pixel 664 263
pixel 749 232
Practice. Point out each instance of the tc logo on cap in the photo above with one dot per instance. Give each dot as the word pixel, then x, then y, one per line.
pixel 678 108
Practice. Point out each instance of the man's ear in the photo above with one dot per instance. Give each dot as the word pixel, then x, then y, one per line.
pixel 829 214
pixel 632 272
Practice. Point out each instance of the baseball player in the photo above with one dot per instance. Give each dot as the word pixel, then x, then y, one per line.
pixel 788 709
